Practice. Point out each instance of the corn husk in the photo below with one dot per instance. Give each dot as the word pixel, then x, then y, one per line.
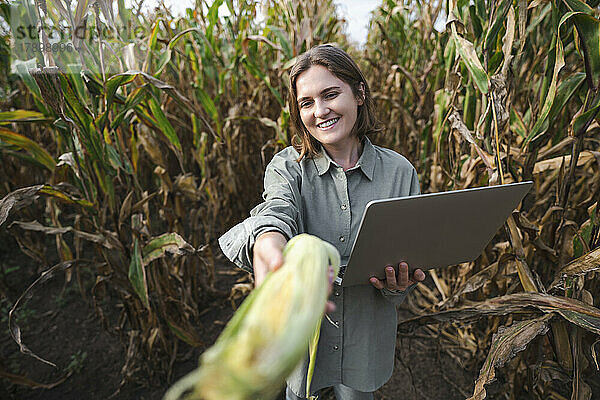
pixel 270 333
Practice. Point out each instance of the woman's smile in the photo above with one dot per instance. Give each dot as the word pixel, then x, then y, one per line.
pixel 328 124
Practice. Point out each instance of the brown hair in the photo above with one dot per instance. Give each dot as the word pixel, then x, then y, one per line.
pixel 340 64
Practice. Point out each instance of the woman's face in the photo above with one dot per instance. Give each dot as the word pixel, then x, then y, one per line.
pixel 328 108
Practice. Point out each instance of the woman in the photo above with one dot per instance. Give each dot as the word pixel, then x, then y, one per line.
pixel 321 186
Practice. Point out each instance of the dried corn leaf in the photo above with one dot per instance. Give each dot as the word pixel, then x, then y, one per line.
pixel 25 381
pixel 17 199
pixel 15 330
pixel 109 243
pixel 506 343
pixel 574 311
pixel 478 280
pixel 580 266
pixel 556 162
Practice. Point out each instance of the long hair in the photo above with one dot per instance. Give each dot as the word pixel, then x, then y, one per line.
pixel 340 64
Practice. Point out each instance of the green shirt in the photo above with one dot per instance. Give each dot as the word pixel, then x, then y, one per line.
pixel 318 197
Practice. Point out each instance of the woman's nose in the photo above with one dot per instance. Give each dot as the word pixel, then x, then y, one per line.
pixel 321 109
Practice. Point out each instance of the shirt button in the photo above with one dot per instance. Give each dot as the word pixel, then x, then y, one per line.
pixel 342 239
pixel 336 347
pixel 343 207
pixel 337 293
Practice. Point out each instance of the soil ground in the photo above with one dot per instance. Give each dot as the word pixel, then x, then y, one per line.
pixel 58 325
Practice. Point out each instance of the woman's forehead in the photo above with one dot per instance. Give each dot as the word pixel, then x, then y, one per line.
pixel 315 79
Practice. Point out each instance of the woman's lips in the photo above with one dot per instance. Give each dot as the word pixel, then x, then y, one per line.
pixel 335 121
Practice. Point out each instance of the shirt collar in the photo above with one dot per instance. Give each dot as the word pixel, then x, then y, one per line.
pixel 366 162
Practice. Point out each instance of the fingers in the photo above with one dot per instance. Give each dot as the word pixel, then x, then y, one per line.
pixel 419 275
pixel 399 282
pixel 329 307
pixel 403 280
pixel 390 278
pixel 376 283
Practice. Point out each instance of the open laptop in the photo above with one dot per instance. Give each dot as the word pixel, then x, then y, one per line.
pixel 429 230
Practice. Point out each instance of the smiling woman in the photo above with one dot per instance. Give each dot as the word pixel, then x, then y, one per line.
pixel 321 186
pixel 328 110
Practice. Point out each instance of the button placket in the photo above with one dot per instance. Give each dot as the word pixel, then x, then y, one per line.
pixel 341 184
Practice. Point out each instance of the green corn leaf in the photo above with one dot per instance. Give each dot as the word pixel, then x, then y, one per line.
pixel 137 274
pixel 50 191
pixel 188 337
pixel 564 93
pixel 588 28
pixel 581 120
pixel 37 152
pixel 152 45
pixel 22 69
pixel 469 56
pixel 209 106
pixel 168 243
pixel 253 69
pixel 516 123
pixel 113 83
pixel 578 5
pixel 283 41
pixel 134 98
pixel 538 128
pixel 499 18
pixel 7 117
pixel 163 123
pixel 475 21
pixel 169 89
pixel 166 56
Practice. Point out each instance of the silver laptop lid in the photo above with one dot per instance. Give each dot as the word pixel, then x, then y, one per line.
pixel 430 230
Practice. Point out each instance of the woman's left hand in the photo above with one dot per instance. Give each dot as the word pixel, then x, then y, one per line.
pixel 401 282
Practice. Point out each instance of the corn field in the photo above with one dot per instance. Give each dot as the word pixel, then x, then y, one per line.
pixel 128 156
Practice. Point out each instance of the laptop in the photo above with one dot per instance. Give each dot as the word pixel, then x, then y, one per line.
pixel 429 230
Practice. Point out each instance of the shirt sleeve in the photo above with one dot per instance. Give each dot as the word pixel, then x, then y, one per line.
pixel 397 297
pixel 279 212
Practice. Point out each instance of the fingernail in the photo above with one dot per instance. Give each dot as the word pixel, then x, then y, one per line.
pixel 330 275
pixel 390 269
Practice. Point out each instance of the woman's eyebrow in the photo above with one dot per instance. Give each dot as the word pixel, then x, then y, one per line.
pixel 322 92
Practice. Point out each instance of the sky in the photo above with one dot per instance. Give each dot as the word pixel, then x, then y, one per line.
pixel 356 12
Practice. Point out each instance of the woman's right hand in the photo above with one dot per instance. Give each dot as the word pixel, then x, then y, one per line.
pixel 268 256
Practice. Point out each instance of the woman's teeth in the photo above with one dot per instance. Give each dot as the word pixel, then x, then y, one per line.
pixel 328 123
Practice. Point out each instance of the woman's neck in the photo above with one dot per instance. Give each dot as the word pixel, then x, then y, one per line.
pixel 346 156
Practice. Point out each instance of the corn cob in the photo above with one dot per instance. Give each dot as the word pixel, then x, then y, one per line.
pixel 270 333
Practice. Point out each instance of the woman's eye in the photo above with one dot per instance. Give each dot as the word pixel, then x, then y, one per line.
pixel 305 104
pixel 331 95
